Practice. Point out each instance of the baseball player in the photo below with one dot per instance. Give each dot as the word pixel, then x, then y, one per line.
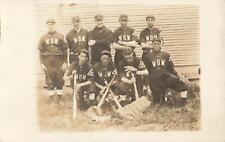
pixel 162 74
pixel 122 38
pixel 76 39
pixel 53 59
pixel 99 38
pixel 147 35
pixel 85 88
pixel 104 70
pixel 128 67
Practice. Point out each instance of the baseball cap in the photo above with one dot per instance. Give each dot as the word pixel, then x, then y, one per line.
pixel 98 16
pixel 150 16
pixel 127 51
pixel 75 18
pixel 156 39
pixel 84 51
pixel 123 17
pixel 50 21
pixel 106 52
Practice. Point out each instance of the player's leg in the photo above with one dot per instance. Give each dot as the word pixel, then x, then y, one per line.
pixel 58 78
pixel 174 83
pixel 49 79
pixel 157 90
pixel 123 91
pixel 92 95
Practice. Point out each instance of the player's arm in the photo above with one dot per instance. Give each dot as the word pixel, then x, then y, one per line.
pixel 128 43
pixel 170 66
pixel 98 85
pixel 126 80
pixel 142 72
pixel 103 42
pixel 118 46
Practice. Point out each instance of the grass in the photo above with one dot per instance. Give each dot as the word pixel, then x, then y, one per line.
pixel 162 118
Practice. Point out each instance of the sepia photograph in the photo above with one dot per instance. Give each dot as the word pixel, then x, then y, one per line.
pixel 120 67
pixel 76 71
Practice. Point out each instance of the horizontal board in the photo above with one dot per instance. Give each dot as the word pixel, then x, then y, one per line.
pixel 179 23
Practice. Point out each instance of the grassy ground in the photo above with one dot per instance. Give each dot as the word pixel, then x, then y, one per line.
pixel 162 118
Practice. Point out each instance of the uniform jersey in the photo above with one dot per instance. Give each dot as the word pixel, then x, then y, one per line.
pixel 102 73
pixel 149 34
pixel 77 40
pixel 123 34
pixel 159 64
pixel 137 63
pixel 52 44
pixel 102 37
pixel 84 73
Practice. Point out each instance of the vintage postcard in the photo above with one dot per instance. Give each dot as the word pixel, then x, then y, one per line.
pixel 112 71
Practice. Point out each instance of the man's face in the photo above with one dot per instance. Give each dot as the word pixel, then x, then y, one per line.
pixel 83 58
pixel 123 22
pixel 99 22
pixel 156 46
pixel 128 57
pixel 51 27
pixel 150 22
pixel 76 24
pixel 105 59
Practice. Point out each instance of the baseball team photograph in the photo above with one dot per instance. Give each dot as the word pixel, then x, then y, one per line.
pixel 118 67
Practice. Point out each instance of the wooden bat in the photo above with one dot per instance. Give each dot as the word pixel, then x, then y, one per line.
pixel 89 54
pixel 106 91
pixel 75 96
pixel 135 88
pixel 114 97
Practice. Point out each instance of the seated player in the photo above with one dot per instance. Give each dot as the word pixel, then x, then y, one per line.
pixel 162 74
pixel 130 65
pixel 85 88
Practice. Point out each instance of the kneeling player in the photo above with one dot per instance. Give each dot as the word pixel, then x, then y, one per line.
pixel 104 71
pixel 162 74
pixel 130 69
pixel 85 88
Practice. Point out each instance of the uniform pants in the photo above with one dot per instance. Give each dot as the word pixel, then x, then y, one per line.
pixel 54 74
pixel 159 85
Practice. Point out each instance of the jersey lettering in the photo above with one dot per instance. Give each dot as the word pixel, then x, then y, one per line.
pixel 79 39
pixel 158 62
pixel 91 72
pixel 52 41
pixel 141 65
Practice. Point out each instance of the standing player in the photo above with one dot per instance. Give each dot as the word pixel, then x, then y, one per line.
pixel 131 65
pixel 85 88
pixel 53 59
pixel 147 35
pixel 122 38
pixel 76 39
pixel 99 38
pixel 162 74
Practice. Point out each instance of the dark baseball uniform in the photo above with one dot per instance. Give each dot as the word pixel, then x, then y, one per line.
pixel 128 89
pixel 148 34
pixel 53 54
pixel 83 74
pixel 103 39
pixel 76 41
pixel 162 74
pixel 122 34
pixel 102 73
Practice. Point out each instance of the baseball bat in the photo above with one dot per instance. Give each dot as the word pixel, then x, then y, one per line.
pixel 89 54
pixel 135 88
pixel 114 97
pixel 75 96
pixel 107 90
